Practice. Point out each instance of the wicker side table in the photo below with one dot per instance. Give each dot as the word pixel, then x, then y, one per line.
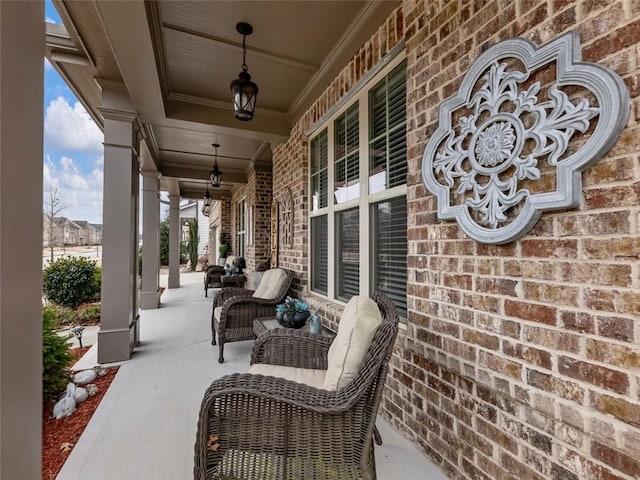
pixel 232 280
pixel 261 325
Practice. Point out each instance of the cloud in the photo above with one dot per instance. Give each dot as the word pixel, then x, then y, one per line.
pixel 70 129
pixel 50 20
pixel 81 192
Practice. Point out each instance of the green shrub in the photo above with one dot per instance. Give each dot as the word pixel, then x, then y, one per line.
pixel 194 239
pixel 56 359
pixel 60 316
pixel 164 242
pixel 70 281
pixel 88 315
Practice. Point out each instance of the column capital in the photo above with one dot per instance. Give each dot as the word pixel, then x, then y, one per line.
pixel 150 174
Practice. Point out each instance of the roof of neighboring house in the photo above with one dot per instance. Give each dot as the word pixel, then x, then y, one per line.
pixel 97 226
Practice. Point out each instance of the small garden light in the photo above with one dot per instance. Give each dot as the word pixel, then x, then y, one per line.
pixel 77 331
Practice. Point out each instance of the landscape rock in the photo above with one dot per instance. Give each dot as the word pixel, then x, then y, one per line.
pixel 84 377
pixel 81 394
pixel 67 405
pixel 100 370
pixel 92 389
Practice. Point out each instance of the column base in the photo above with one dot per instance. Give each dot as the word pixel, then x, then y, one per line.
pixel 115 345
pixel 149 300
pixel 174 281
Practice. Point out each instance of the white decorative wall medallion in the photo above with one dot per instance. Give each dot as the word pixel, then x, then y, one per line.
pixel 515 138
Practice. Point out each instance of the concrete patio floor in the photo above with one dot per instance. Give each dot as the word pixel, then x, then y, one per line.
pixel 145 426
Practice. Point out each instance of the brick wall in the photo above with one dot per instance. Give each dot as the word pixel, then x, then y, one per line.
pixel 521 360
pixel 257 194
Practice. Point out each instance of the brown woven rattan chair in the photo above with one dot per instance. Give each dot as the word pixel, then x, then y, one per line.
pixel 214 273
pixel 262 427
pixel 235 309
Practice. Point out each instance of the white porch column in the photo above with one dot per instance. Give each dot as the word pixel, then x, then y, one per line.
pixel 21 99
pixel 174 241
pixel 150 289
pixel 118 324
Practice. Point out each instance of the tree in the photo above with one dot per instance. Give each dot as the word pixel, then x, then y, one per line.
pixel 194 239
pixel 54 206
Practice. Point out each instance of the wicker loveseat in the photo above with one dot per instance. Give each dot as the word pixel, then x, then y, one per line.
pixel 257 426
pixel 235 309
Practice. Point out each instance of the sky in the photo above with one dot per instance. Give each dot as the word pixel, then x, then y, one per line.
pixel 73 153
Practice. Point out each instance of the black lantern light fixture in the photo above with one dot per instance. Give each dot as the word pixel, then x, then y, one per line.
pixel 207 198
pixel 243 90
pixel 215 174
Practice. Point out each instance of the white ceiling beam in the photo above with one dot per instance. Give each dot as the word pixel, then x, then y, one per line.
pixel 220 114
pixel 255 51
pixel 186 173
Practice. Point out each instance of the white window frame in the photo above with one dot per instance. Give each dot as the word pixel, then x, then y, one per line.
pixel 364 202
pixel 241 232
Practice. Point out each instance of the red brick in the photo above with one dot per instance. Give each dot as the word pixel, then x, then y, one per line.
pixel 550 248
pixel 615 459
pixel 618 328
pixel 501 365
pixel 578 322
pixel 535 356
pixel 554 294
pixel 481 339
pixel 623 356
pixel 612 197
pixel 531 312
pixel 597 375
pixel 553 339
pixel 555 386
pixel 619 408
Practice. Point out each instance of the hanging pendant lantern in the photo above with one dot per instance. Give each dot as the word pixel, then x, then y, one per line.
pixel 207 198
pixel 215 175
pixel 243 90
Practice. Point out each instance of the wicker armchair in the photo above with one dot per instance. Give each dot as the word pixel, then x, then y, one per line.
pixel 263 427
pixel 235 309
pixel 214 273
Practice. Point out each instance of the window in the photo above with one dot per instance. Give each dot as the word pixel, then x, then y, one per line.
pixel 389 250
pixel 359 237
pixel 319 254
pixel 346 145
pixel 241 226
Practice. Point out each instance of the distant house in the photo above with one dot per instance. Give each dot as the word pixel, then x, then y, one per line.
pixel 98 233
pixel 63 231
pixel 87 233
pixel 192 209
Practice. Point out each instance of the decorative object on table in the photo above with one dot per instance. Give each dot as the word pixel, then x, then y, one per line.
pixel 511 143
pixel 292 313
pixel 315 324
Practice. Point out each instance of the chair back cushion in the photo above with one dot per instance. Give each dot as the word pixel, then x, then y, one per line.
pixel 231 261
pixel 271 283
pixel 308 376
pixel 358 324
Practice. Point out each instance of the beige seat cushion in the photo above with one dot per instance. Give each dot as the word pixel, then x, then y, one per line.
pixel 357 327
pixel 217 311
pixel 313 378
pixel 271 283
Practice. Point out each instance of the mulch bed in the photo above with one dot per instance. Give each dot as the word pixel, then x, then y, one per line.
pixel 60 436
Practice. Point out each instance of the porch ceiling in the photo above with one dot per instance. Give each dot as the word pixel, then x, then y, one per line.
pixel 177 58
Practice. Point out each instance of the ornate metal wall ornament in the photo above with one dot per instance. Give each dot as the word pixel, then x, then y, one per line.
pixel 286 209
pixel 515 129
